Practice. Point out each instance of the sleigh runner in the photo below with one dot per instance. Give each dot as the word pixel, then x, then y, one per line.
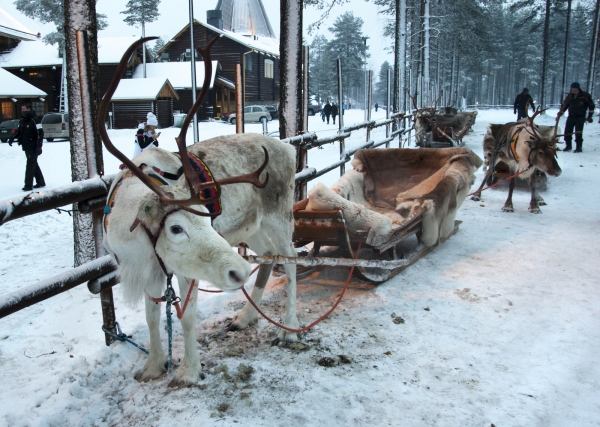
pixel 392 195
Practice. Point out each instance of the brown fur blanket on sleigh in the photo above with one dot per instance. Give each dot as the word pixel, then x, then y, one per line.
pixel 389 186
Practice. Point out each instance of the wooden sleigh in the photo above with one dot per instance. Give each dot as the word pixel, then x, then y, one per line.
pixel 327 228
pixel 406 201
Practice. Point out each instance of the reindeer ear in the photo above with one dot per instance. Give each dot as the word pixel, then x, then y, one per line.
pixel 151 209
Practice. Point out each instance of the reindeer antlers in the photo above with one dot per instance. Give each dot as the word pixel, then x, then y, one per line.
pixel 191 177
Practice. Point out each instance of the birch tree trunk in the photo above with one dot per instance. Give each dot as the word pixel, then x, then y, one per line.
pixel 400 57
pixel 545 56
pixel 290 73
pixel 593 50
pixel 81 15
pixel 565 57
pixel 427 100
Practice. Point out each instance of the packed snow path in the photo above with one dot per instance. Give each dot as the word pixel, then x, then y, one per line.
pixel 498 325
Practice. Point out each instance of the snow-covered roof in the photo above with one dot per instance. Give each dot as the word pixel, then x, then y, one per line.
pixel 178 73
pixel 266 45
pixel 111 49
pixel 13 29
pixel 143 89
pixel 38 54
pixel 12 86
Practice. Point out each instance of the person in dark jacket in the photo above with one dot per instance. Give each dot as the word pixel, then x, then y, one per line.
pixel 521 103
pixel 30 136
pixel 327 110
pixel 578 103
pixel 334 112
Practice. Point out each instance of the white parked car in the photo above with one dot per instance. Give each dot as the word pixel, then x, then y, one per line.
pixel 55 125
pixel 252 113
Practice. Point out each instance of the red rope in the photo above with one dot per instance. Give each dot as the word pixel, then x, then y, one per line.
pixel 320 319
pixel 499 182
pixel 180 313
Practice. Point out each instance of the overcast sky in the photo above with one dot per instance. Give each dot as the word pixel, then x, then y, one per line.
pixel 174 15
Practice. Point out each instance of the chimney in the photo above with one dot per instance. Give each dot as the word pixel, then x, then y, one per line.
pixel 215 18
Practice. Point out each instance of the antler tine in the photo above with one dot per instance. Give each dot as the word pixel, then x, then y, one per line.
pixel 248 178
pixel 103 107
pixel 191 176
pixel 558 116
pixel 438 99
pixel 413 98
pixel 538 111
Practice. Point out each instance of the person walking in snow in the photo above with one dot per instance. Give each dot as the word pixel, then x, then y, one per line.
pixel 578 103
pixel 327 110
pixel 376 106
pixel 322 112
pixel 521 103
pixel 334 112
pixel 30 136
pixel 146 137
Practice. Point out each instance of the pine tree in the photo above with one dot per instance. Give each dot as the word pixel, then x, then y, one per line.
pixel 158 45
pixel 51 11
pixel 139 13
pixel 380 92
pixel 348 44
pixel 320 83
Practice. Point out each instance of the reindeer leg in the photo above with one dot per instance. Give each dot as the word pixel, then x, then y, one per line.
pixel 508 205
pixel 248 315
pixel 477 195
pixel 291 319
pixel 534 203
pixel 540 184
pixel 190 370
pixel 155 365
pixel 263 245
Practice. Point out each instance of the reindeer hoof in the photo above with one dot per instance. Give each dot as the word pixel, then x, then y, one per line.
pixel 476 198
pixel 535 211
pixel 145 374
pixel 275 342
pixel 232 327
pixel 542 203
pixel 507 209
pixel 177 383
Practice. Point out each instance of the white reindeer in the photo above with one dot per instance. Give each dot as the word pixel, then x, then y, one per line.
pixel 149 223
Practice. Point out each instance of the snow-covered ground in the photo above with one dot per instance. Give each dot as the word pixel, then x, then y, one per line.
pixel 501 322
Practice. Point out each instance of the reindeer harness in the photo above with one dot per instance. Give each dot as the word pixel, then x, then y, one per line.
pixel 205 175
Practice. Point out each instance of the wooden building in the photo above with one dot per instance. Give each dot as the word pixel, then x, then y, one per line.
pixel 135 98
pixel 14 92
pixel 180 77
pixel 41 65
pixel 258 55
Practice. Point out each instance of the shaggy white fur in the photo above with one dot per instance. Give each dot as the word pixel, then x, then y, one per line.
pixel 438 197
pixel 358 217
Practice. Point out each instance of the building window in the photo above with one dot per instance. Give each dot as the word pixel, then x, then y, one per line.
pixel 38 107
pixel 8 110
pixel 268 69
pixel 248 59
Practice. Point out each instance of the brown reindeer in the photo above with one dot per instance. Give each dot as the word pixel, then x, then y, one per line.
pixel 525 149
pixel 158 224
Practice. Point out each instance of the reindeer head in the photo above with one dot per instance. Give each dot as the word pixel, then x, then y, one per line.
pixel 175 217
pixel 542 145
pixel 187 243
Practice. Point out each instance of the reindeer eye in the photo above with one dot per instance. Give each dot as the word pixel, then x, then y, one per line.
pixel 175 229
